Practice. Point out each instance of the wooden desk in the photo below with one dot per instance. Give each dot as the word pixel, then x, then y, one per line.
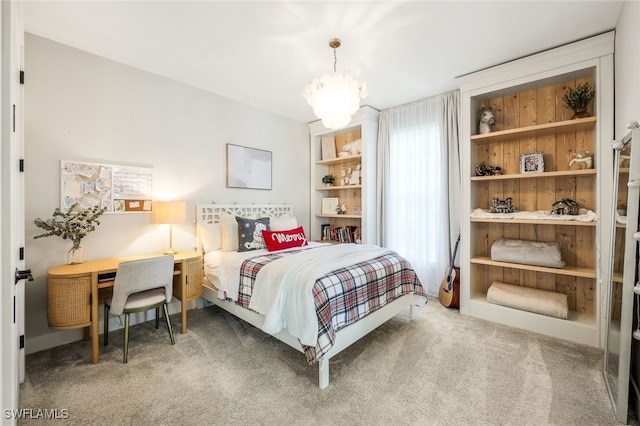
pixel 74 292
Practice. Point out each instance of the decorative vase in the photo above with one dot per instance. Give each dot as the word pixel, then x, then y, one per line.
pixel 75 255
pixel 583 113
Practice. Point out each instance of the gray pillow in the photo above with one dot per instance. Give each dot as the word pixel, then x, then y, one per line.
pixel 250 233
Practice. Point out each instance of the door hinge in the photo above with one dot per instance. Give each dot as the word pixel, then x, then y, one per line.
pixel 21 77
pixel 21 341
pixel 21 253
pixel 22 164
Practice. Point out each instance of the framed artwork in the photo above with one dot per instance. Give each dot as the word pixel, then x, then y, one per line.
pixel 532 163
pixel 329 205
pixel 248 167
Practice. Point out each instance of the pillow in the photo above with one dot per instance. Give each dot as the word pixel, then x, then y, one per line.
pixel 210 236
pixel 229 233
pixel 279 240
pixel 283 223
pixel 250 233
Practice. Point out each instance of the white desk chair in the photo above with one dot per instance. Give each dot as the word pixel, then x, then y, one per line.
pixel 140 285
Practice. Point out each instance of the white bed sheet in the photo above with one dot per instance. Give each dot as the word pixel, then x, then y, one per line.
pixel 222 268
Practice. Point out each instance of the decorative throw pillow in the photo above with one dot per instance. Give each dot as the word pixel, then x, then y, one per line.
pixel 279 240
pixel 210 236
pixel 250 233
pixel 229 233
pixel 283 223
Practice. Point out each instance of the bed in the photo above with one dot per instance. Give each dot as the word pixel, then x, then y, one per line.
pixel 318 298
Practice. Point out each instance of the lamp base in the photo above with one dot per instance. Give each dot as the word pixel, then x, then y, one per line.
pixel 170 251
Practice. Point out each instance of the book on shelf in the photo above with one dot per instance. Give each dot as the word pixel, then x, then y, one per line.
pixel 342 234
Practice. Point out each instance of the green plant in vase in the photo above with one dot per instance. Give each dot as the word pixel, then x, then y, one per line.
pixel 328 180
pixel 74 225
pixel 578 99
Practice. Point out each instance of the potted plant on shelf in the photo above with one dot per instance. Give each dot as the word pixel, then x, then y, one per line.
pixel 74 225
pixel 577 100
pixel 328 180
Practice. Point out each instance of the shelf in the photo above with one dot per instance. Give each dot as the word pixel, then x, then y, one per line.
pixel 574 271
pixel 624 170
pixel 340 160
pixel 534 221
pixel 582 172
pixel 338 216
pixel 329 188
pixel 579 327
pixel 617 277
pixel 578 124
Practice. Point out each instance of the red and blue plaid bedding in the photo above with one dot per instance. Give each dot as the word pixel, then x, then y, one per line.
pixel 345 295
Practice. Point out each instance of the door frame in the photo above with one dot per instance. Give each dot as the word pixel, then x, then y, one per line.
pixel 11 207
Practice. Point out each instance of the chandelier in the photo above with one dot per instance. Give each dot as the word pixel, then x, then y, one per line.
pixel 335 97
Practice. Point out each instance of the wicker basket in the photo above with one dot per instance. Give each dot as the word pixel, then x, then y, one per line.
pixel 69 302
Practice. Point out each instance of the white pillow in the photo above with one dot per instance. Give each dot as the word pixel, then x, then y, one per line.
pixel 210 236
pixel 283 223
pixel 229 233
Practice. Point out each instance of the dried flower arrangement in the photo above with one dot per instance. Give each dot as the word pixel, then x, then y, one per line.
pixel 74 224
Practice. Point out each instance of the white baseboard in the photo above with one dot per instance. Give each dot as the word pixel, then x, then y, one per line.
pixel 62 337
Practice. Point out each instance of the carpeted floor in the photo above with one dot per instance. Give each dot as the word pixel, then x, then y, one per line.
pixel 440 368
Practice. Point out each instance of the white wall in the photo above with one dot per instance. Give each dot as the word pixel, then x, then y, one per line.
pixel 83 107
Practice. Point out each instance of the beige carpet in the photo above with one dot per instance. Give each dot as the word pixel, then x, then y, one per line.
pixel 440 368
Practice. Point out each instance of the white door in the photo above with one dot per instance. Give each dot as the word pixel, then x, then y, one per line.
pixel 11 207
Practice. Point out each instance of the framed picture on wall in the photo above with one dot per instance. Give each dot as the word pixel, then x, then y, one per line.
pixel 248 167
pixel 329 205
pixel 532 163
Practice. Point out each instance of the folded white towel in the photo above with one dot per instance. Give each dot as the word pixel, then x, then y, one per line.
pixel 527 252
pixel 584 216
pixel 529 299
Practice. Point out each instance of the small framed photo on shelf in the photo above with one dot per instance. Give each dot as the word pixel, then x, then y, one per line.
pixel 357 211
pixel 329 205
pixel 532 163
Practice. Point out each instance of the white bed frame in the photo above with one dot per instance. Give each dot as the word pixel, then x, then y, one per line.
pixel 211 213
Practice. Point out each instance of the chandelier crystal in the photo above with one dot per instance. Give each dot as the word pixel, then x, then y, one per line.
pixel 335 97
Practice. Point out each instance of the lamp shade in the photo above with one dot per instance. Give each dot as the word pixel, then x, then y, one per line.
pixel 171 212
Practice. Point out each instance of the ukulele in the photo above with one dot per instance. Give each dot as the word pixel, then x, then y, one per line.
pixel 449 293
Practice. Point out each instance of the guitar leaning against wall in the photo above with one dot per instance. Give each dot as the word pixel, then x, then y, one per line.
pixel 449 293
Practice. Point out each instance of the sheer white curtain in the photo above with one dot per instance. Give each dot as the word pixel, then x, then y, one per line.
pixel 417 162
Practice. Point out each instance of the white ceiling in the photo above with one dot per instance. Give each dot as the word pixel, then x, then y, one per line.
pixel 263 53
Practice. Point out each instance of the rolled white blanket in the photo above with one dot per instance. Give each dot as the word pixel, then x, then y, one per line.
pixel 529 299
pixel 527 252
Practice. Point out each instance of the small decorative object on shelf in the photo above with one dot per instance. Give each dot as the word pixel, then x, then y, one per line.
pixel 502 206
pixel 486 120
pixel 328 180
pixel 565 206
pixel 484 169
pixel 74 225
pixel 353 148
pixel 532 163
pixel 581 160
pixel 341 209
pixel 577 100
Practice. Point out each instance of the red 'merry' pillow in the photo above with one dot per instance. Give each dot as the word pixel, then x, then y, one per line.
pixel 279 240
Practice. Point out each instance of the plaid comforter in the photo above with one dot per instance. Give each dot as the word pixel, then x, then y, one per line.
pixel 345 295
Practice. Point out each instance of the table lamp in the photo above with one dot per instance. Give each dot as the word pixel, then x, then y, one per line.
pixel 171 212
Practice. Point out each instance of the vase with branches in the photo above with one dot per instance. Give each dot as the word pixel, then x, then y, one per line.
pixel 73 224
pixel 578 99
